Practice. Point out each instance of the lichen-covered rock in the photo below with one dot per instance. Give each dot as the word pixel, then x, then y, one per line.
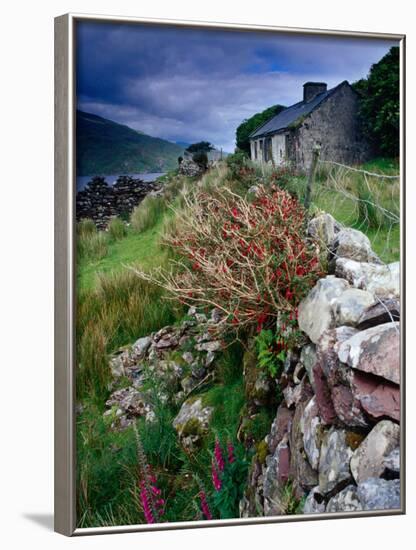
pixel 345 501
pixel 334 392
pixel 312 432
pixel 379 494
pixel 351 305
pixel 125 362
pixel 275 476
pixel 126 404
pixel 368 459
pixel 192 422
pixel 381 280
pixel 314 502
pixel 316 311
pixel 334 463
pixel 292 394
pixel 375 350
pixel 281 425
pixel 323 228
pixel 353 244
pixel 308 359
pixel 141 346
pixel 214 345
pixel 190 168
pixel 303 475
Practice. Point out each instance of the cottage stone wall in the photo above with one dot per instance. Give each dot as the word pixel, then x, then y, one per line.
pixel 335 126
pixel 279 149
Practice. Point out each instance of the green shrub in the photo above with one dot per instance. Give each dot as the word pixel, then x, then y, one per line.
pixel 147 213
pixel 117 229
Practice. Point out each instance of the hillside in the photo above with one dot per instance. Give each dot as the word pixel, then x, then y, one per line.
pixel 105 147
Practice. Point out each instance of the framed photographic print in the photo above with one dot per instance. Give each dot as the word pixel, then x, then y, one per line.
pixel 229 260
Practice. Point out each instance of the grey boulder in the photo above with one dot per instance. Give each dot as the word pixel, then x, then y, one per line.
pixel 334 462
pixel 379 494
pixel 369 458
pixel 316 311
pixel 381 280
pixel 345 501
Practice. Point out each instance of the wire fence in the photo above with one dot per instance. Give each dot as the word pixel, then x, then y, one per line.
pixel 363 199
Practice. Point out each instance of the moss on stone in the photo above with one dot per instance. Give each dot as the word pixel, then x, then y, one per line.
pixel 192 427
pixel 354 439
pixel 262 450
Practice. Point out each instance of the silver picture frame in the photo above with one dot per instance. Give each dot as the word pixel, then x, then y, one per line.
pixel 65 291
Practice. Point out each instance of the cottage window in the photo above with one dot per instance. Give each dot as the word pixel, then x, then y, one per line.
pixel 255 150
pixel 268 149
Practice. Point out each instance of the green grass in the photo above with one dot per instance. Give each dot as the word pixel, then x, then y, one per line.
pixel 142 248
pixel 117 229
pixel 147 214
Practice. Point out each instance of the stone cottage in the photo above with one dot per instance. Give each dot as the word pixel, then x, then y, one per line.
pixel 328 118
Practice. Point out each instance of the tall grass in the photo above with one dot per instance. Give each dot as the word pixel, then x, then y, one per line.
pixel 119 310
pixel 147 213
pixel 92 244
pixel 117 229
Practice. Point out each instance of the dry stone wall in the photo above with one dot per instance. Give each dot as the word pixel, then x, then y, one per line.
pixel 101 202
pixel 336 434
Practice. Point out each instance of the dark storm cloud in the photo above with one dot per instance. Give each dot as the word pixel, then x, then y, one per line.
pixel 188 84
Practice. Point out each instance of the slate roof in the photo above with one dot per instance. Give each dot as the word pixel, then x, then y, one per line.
pixel 289 115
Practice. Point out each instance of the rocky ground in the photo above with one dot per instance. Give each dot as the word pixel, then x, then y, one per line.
pixel 180 361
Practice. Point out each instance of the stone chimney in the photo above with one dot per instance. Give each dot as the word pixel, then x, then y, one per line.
pixel 312 89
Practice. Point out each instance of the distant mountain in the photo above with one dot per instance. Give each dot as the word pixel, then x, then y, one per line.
pixel 183 144
pixel 106 147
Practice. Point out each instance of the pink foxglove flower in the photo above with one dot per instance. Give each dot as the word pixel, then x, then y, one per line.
pixel 204 505
pixel 144 497
pixel 215 478
pixel 218 456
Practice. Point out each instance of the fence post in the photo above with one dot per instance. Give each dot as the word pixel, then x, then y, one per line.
pixel 315 155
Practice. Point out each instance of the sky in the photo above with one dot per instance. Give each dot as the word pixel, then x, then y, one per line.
pixel 189 85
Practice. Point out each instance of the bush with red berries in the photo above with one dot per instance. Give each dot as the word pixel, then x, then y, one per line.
pixel 250 259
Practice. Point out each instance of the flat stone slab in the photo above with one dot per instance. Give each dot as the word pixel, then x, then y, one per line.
pixel 378 399
pixel 316 311
pixel 375 350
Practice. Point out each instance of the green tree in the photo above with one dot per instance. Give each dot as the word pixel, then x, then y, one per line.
pixel 379 104
pixel 200 147
pixel 250 124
